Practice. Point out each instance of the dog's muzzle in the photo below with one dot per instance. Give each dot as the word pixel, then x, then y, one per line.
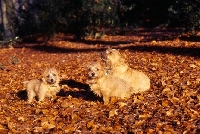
pixel 91 74
pixel 52 80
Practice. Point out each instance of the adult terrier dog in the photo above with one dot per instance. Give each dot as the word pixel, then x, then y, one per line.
pixel 138 80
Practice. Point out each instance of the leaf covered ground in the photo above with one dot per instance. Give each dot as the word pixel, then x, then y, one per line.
pixel 172 105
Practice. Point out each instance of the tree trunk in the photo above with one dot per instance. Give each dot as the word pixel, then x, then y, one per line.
pixel 8 18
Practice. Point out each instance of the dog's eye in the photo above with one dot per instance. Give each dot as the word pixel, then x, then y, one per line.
pixel 54 74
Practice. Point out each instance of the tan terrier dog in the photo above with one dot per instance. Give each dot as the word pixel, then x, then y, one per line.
pixel 138 80
pixel 48 86
pixel 106 85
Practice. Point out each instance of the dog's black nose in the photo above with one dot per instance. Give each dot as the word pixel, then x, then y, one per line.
pixel 52 80
pixel 93 74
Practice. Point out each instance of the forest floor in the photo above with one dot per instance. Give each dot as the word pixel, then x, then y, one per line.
pixel 171 105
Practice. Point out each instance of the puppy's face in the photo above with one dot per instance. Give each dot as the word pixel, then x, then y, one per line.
pixel 94 70
pixel 50 76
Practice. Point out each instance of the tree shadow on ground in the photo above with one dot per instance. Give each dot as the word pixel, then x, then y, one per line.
pixel 84 91
pixel 185 51
pixel 54 49
pixel 143 45
pixel 144 35
pixel 194 52
pixel 147 35
pixel 193 38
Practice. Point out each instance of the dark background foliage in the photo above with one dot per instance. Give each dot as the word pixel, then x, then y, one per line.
pixel 97 17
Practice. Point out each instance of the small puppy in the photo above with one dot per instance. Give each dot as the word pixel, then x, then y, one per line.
pixel 48 86
pixel 138 80
pixel 106 85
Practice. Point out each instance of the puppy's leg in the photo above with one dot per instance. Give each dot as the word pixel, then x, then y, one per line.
pixel 30 95
pixel 42 92
pixel 41 96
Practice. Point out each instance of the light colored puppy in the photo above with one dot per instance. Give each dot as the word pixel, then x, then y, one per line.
pixel 48 86
pixel 106 85
pixel 138 80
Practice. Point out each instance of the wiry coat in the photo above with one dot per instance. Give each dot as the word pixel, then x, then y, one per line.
pixel 107 85
pixel 138 80
pixel 48 86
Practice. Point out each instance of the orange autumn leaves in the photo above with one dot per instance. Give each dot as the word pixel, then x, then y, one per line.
pixel 170 106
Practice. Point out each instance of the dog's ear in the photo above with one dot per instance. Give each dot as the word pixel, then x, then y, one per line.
pixel 88 65
pixel 124 55
pixel 109 48
pixel 119 52
pixel 85 66
pixel 42 79
pixel 56 70
pixel 101 64
pixel 52 70
pixel 45 72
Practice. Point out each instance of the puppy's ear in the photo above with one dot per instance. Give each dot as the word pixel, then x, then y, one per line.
pixel 45 72
pixel 56 70
pixel 53 69
pixel 43 79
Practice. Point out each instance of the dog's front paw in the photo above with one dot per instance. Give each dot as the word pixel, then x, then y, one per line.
pixel 53 98
pixel 106 100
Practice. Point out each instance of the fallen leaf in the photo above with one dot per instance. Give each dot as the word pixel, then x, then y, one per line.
pixel 46 125
pixel 113 112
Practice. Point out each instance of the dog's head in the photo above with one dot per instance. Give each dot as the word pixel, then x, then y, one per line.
pixel 51 76
pixel 113 56
pixel 95 70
